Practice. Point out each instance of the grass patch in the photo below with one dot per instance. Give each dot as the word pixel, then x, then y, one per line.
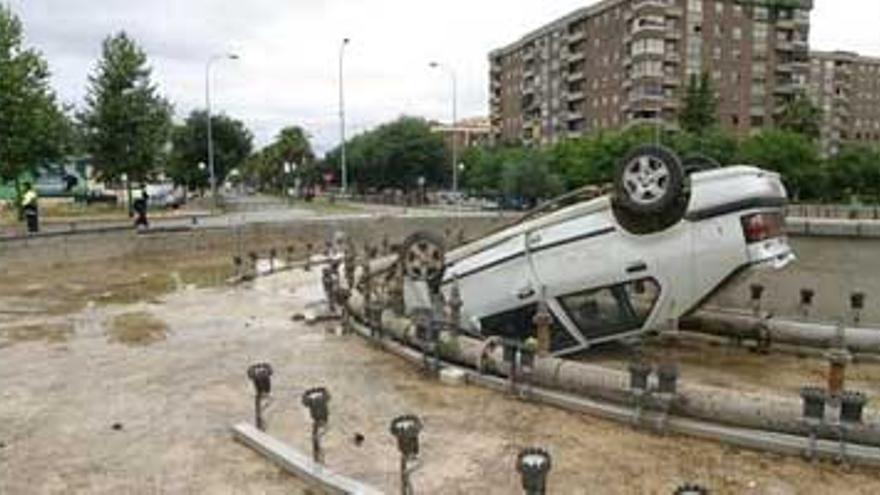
pixel 147 287
pixel 323 206
pixel 52 333
pixel 136 329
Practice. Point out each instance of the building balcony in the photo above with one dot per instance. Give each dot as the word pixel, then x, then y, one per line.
pixel 575 56
pixel 671 81
pixel 575 95
pixel 646 31
pixel 672 34
pixel 786 24
pixel 574 37
pixel 673 57
pixel 575 76
pixel 574 116
pixel 674 11
pixel 639 6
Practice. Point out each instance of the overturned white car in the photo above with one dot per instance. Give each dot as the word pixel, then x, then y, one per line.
pixel 618 265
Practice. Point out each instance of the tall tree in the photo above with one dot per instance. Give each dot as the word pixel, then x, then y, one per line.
pixel 232 145
pixel 700 111
pixel 266 167
pixel 794 156
pixel 855 172
pixel 396 155
pixel 32 126
pixel 801 116
pixel 526 176
pixel 126 123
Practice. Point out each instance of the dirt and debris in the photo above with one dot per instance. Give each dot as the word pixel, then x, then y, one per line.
pixel 175 399
pixel 50 333
pixel 134 329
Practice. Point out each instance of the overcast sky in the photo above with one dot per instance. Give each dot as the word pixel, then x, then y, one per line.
pixel 287 73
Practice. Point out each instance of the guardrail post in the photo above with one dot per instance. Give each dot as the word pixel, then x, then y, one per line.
pixel 289 258
pixel 806 301
pixel 667 389
pixel 639 372
pixel 814 400
pixel 852 405
pixel 455 303
pixel 395 292
pixel 253 259
pixel 857 304
pixel 757 293
pixel 236 263
pixel 350 261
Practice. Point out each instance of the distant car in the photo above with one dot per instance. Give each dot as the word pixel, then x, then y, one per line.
pixel 165 196
pixel 618 265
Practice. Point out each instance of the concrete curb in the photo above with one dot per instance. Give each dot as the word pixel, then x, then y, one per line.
pixel 298 464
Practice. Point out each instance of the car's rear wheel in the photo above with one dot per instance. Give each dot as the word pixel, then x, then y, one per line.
pixel 650 192
pixel 423 255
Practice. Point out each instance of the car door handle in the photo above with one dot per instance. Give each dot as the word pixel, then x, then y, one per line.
pixel 636 267
pixel 525 293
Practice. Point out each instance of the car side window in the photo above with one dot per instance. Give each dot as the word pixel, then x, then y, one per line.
pixel 614 309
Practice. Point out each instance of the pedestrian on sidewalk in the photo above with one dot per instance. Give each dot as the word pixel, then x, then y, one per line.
pixel 140 210
pixel 30 208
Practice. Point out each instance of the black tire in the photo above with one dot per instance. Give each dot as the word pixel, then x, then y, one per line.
pixel 648 180
pixel 423 255
pixel 661 212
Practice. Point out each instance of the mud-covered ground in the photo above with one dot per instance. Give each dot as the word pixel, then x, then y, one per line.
pixel 134 393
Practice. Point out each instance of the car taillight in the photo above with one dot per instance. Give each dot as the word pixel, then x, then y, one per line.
pixel 762 226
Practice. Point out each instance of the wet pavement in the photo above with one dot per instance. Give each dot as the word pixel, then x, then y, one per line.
pixel 92 414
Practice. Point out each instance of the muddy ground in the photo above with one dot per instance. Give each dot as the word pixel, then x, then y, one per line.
pixel 130 382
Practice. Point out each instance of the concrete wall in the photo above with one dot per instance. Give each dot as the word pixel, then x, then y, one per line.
pixel 833 267
pixel 45 251
pixel 832 260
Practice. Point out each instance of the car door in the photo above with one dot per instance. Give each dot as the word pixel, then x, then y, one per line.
pixel 569 256
pixel 494 280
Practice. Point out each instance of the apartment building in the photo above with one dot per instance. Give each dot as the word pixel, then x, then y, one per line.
pixel 846 87
pixel 618 63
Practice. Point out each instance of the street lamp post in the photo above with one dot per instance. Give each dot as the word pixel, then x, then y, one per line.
pixel 211 60
pixel 451 72
pixel 342 166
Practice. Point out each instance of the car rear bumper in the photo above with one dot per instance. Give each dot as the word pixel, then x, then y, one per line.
pixel 773 254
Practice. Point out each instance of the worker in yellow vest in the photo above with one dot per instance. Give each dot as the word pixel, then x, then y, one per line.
pixel 31 211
